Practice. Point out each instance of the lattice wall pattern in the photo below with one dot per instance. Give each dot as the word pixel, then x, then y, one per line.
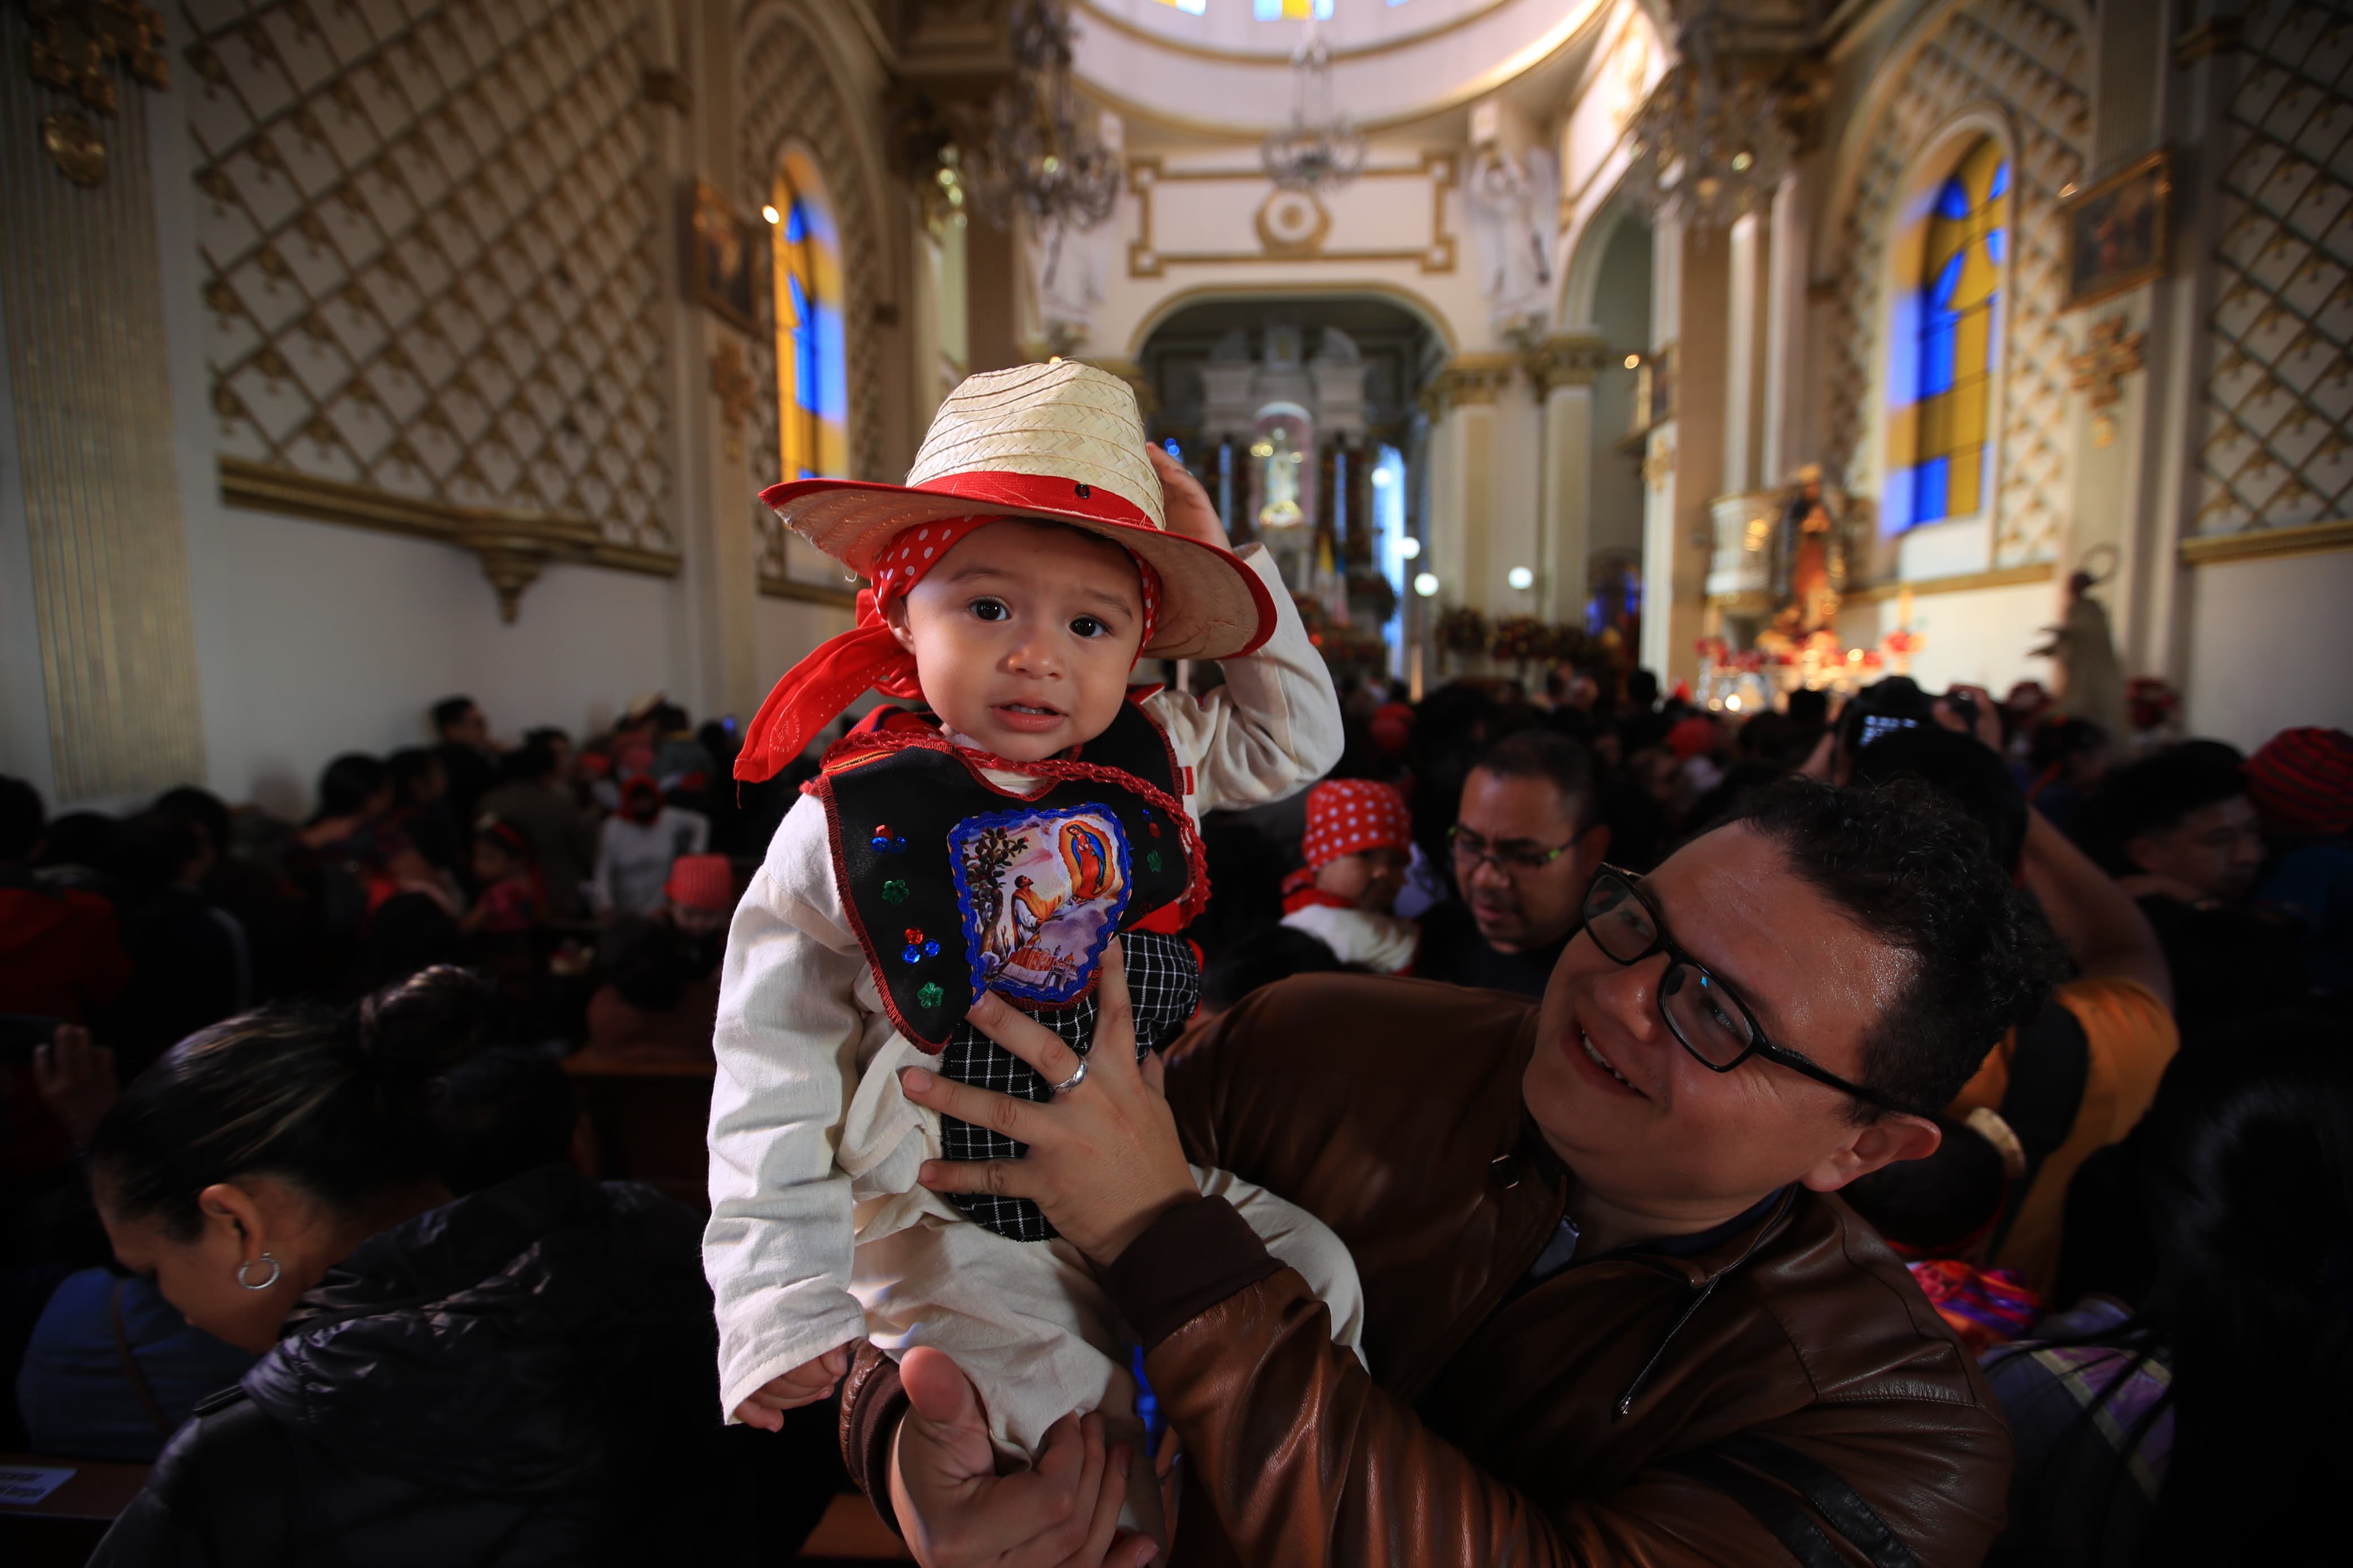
pixel 2278 451
pixel 786 95
pixel 427 232
pixel 2031 63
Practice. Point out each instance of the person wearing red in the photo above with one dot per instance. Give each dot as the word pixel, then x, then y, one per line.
pixel 1359 839
pixel 60 954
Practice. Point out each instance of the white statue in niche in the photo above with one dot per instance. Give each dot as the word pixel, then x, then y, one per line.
pixel 1280 463
pixel 1514 206
pixel 1068 266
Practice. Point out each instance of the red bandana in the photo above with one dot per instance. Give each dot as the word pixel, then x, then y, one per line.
pixel 867 657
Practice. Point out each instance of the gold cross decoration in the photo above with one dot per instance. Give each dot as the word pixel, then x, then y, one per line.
pixel 2109 355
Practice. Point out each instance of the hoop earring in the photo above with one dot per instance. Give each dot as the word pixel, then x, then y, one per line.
pixel 266 1284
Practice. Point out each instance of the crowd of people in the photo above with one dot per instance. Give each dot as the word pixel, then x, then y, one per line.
pixel 2137 1215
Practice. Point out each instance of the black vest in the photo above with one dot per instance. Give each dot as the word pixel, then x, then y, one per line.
pixel 954 886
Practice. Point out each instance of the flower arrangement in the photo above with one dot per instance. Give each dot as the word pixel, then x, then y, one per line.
pixel 1518 638
pixel 1462 631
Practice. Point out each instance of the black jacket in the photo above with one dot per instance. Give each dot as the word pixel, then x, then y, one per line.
pixel 524 1376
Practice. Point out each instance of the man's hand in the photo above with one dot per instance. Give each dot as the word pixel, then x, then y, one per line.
pixel 956 1510
pixel 1104 1159
pixel 805 1384
pixel 1988 727
pixel 1185 503
pixel 75 1078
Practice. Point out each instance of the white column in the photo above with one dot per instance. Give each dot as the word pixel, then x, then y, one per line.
pixel 1743 338
pixel 1785 439
pixel 1691 282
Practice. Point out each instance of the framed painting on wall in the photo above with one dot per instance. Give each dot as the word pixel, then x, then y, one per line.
pixel 2116 231
pixel 726 259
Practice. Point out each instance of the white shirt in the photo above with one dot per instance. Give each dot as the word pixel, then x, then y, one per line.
pixel 633 859
pixel 812 1147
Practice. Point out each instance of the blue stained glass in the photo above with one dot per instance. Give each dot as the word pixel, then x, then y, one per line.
pixel 1936 356
pixel 1948 278
pixel 2000 180
pixel 806 390
pixel 1929 489
pixel 1995 242
pixel 797 223
pixel 1952 201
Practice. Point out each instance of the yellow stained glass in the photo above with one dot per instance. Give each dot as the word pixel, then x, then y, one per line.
pixel 1960 290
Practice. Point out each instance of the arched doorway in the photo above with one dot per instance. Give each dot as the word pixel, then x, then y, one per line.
pixel 1299 414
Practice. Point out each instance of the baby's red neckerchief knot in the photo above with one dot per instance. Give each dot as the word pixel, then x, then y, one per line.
pixel 867 657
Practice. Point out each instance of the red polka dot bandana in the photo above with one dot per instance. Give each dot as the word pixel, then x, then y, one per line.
pixel 868 657
pixel 1348 816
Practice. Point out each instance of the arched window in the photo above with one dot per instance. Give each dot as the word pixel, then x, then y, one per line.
pixel 812 381
pixel 1959 334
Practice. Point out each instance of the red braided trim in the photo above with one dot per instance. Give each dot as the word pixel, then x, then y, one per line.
pixel 1197 856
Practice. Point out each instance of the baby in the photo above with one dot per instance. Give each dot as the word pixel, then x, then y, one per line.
pixel 999 843
pixel 1358 843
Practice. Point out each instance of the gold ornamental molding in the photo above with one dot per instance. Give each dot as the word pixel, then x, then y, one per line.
pixel 1281 236
pixel 773 586
pixel 70 48
pixel 1960 583
pixel 1468 379
pixel 1569 360
pixel 2254 543
pixel 514 545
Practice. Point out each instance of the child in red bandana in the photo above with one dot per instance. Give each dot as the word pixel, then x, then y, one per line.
pixel 1358 844
pixel 1039 550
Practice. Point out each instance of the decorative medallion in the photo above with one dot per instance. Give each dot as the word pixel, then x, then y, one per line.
pixel 1292 223
pixel 1041 892
pixel 74 146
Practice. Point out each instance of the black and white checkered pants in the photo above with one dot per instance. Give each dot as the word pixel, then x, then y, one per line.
pixel 1163 985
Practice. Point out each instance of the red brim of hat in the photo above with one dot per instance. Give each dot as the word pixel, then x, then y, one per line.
pixel 1212 605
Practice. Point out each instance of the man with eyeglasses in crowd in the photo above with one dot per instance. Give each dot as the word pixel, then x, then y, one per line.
pixel 1614 1313
pixel 1525 844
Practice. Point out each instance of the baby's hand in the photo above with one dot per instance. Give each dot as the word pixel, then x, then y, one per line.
pixel 805 1384
pixel 1185 503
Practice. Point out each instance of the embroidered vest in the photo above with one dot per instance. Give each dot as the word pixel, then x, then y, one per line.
pixel 954 886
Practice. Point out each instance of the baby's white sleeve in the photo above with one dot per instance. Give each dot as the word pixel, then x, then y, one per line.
pixel 778 1246
pixel 1273 728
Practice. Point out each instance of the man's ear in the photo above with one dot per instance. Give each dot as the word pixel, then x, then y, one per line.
pixel 1875 1144
pixel 1593 846
pixel 895 616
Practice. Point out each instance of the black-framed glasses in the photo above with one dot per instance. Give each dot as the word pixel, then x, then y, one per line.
pixel 1706 1016
pixel 1512 858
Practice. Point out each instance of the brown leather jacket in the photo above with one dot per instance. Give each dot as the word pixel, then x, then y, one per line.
pixel 1783 1391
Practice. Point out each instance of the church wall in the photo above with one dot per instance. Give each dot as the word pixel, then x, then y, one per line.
pixel 310 672
pixel 1977 636
pixel 2270 643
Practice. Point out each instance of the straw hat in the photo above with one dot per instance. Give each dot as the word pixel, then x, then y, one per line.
pixel 1061 442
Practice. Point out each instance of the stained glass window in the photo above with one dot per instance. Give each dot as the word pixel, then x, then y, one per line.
pixel 812 380
pixel 1191 8
pixel 1958 338
pixel 1292 10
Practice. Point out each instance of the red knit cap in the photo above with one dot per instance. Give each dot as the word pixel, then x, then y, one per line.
pixel 1348 816
pixel 2302 781
pixel 702 882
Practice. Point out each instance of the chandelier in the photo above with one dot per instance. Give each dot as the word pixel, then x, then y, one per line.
pixel 1318 149
pixel 1712 143
pixel 1039 156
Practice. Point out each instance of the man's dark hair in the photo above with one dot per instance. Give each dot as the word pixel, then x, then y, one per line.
pixel 1544 754
pixel 1912 869
pixel 451 711
pixel 530 762
pixel 1643 688
pixel 1964 770
pixel 153 850
pixel 200 809
pixel 22 817
pixel 1809 708
pixel 411 766
pixel 2153 796
pixel 349 783
pixel 546 734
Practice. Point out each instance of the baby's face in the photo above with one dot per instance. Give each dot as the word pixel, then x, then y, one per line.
pixel 1370 880
pixel 1024 635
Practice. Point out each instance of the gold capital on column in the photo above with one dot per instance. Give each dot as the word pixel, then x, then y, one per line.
pixel 1571 359
pixel 1468 378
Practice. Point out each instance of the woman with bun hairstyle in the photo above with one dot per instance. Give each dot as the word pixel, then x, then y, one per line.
pixel 522 1374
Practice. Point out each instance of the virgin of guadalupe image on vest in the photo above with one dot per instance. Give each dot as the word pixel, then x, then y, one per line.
pixel 1042 892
